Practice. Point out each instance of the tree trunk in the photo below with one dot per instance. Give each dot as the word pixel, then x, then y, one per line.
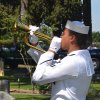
pixel 23 8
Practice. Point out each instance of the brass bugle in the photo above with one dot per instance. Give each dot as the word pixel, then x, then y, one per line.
pixel 21 26
pixel 44 37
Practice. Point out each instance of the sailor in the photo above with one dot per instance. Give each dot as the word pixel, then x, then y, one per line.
pixel 71 77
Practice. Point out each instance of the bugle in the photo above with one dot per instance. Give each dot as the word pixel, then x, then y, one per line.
pixel 20 26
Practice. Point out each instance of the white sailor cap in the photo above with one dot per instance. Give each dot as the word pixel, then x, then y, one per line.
pixel 77 26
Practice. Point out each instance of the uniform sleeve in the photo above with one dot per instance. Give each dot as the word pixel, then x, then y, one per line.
pixel 35 54
pixel 45 73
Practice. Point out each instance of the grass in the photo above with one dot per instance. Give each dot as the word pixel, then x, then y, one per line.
pixel 22 85
pixel 25 84
pixel 14 85
pixel 30 97
pixel 40 97
pixel 96 86
pixel 27 96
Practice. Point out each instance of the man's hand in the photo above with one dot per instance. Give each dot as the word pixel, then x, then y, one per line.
pixel 32 38
pixel 33 29
pixel 55 44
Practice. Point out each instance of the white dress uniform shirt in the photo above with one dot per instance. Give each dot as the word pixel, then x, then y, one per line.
pixel 70 77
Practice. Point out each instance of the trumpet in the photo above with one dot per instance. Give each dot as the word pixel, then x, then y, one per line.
pixel 20 26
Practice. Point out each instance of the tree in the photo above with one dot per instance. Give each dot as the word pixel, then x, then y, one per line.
pixel 8 12
pixel 24 10
pixel 54 13
pixel 96 36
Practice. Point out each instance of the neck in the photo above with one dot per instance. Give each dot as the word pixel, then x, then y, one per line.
pixel 73 48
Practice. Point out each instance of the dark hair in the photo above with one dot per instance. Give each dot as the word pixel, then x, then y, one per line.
pixel 81 39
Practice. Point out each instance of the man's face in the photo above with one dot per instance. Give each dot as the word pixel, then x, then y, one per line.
pixel 66 40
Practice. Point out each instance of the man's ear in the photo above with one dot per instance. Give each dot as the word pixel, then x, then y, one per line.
pixel 73 39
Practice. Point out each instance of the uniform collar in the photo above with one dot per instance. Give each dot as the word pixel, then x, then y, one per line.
pixel 77 52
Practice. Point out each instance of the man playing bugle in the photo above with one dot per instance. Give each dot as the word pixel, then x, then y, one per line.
pixel 71 76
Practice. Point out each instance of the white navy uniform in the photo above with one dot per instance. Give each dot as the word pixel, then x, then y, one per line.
pixel 70 77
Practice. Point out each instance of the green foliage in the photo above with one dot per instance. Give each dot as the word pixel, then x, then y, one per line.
pixel 7 20
pixel 7 41
pixel 46 29
pixel 54 12
pixel 96 36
